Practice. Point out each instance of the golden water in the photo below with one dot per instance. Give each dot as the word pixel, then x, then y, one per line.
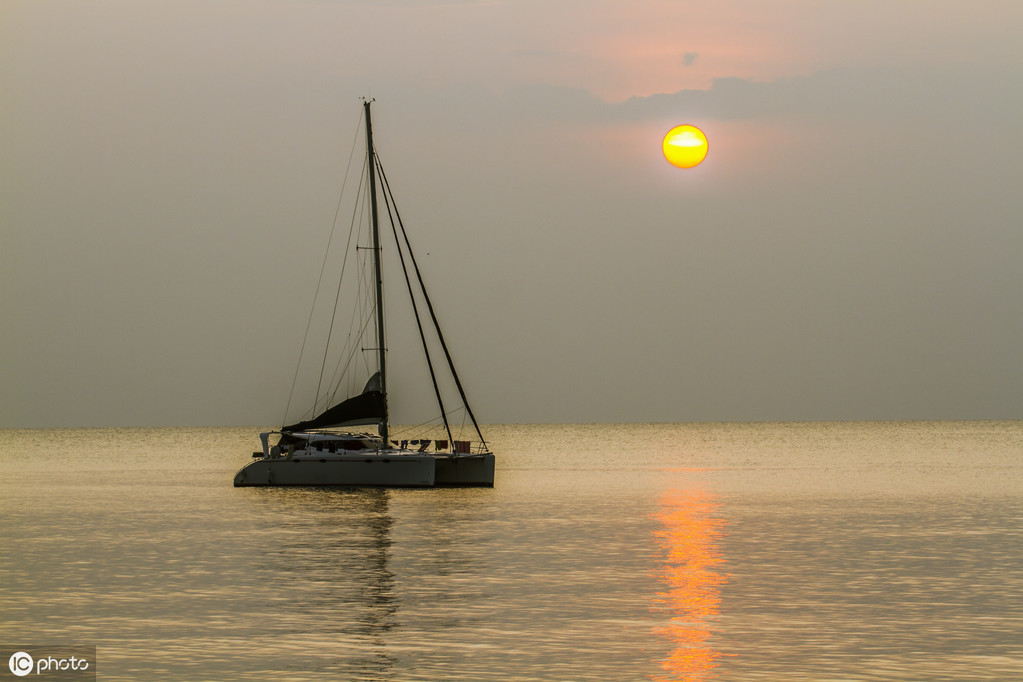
pixel 605 552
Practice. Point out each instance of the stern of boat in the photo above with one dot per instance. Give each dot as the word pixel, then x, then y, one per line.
pixel 465 471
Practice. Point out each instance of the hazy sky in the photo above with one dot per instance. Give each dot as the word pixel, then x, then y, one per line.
pixel 850 249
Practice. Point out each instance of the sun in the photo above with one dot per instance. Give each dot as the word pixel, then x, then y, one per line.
pixel 685 146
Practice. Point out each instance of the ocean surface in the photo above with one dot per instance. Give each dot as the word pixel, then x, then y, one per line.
pixel 838 551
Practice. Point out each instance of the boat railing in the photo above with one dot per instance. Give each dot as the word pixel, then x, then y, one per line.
pixel 440 446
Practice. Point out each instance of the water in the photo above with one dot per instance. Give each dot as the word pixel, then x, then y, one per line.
pixel 636 552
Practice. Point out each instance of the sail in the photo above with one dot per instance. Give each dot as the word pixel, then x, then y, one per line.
pixel 369 407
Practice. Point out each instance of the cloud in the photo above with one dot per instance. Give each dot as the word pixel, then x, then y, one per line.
pixel 894 97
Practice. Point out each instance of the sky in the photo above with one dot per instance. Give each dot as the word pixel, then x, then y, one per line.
pixel 850 249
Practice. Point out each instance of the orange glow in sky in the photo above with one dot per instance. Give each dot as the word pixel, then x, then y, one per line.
pixel 688 539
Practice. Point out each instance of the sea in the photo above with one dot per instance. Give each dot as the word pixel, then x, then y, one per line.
pixel 773 551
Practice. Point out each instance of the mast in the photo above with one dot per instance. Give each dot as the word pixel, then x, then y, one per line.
pixel 382 352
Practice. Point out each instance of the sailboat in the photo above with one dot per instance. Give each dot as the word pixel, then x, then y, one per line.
pixel 324 450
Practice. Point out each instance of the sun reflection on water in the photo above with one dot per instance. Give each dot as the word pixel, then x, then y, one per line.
pixel 691 579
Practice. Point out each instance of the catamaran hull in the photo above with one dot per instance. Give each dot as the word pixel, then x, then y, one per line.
pixel 466 471
pixel 399 471
pixel 359 470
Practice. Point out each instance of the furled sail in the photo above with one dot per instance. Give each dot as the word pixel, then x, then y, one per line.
pixel 369 407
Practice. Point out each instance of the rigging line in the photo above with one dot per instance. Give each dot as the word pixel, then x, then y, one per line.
pixel 352 345
pixel 367 299
pixel 344 362
pixel 352 340
pixel 363 310
pixel 309 322
pixel 347 360
pixel 418 429
pixel 433 315
pixel 388 199
pixel 431 423
pixel 337 296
